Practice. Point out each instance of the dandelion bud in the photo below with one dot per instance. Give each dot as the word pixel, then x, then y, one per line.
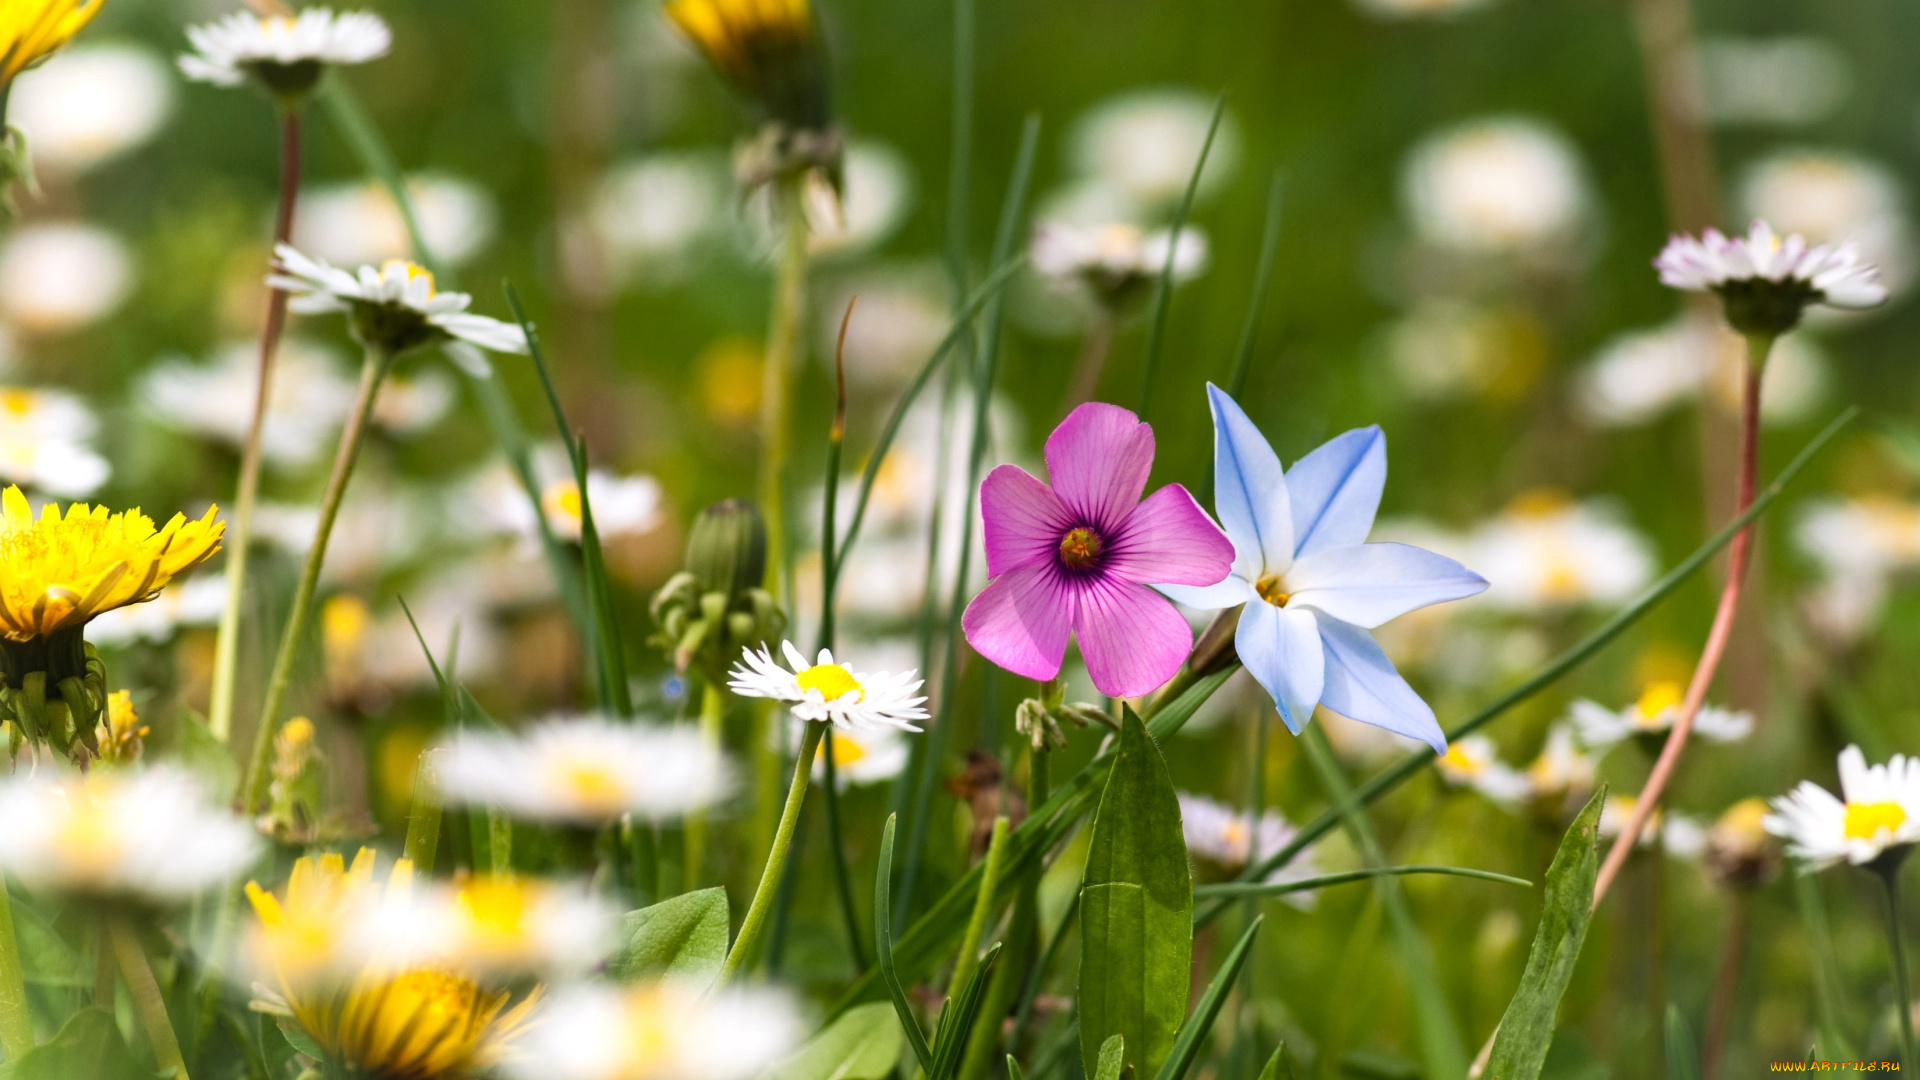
pixel 727 547
pixel 716 607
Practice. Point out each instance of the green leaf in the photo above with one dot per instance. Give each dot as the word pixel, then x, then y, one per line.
pixel 1283 888
pixel 956 1019
pixel 1683 1061
pixel 1136 910
pixel 88 1045
pixel 208 757
pixel 685 937
pixel 862 1044
pixel 1113 1058
pixel 45 957
pixel 1526 1031
pixel 1277 1067
pixel 298 1038
pixel 1194 1032
pixel 883 948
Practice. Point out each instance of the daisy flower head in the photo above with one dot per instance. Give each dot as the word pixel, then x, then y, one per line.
pixel 1764 280
pixel 1679 835
pixel 1601 728
pixel 150 837
pixel 1115 263
pixel 585 770
pixel 285 54
pixel 829 690
pixel 1474 762
pixel 861 756
pixel 657 1031
pixel 1563 775
pixel 1229 838
pixel 492 926
pixel 1874 821
pixel 1740 852
pixel 394 307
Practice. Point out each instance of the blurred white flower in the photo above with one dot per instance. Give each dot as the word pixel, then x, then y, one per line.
pixel 656 1031
pixel 1474 762
pixel 1777 80
pixel 1547 552
pixel 1858 545
pixel 1500 185
pixel 1563 775
pixel 903 314
pixel 1144 143
pixel 586 770
pixel 197 601
pixel 370 657
pixel 622 505
pixel 861 756
pixel 412 402
pixel 655 214
pixel 380 526
pixel 149 836
pixel 1600 728
pixel 1226 837
pixel 358 223
pixel 493 926
pixel 1115 263
pixel 1878 812
pixel 1416 9
pixel 56 277
pixel 1640 375
pixel 1835 198
pixel 879 193
pixel 44 442
pixel 1680 836
pixel 1443 350
pixel 306 404
pixel 278 49
pixel 91 103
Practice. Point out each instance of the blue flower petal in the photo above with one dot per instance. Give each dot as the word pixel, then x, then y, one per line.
pixel 1336 491
pixel 1363 685
pixel 1281 648
pixel 1367 584
pixel 1250 491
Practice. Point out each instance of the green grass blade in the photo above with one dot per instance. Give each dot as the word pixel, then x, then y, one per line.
pixel 1262 274
pixel 1554 669
pixel 1195 1030
pixel 883 950
pixel 1277 1067
pixel 956 1020
pixel 1242 889
pixel 1163 295
pixel 1829 997
pixel 1683 1059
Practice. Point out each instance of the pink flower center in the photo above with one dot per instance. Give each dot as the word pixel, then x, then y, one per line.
pixel 1080 547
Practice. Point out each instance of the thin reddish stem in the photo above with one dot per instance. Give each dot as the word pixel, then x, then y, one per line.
pixel 1717 638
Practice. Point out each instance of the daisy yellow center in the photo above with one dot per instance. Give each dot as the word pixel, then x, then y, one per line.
pixel 1080 547
pixel 1658 698
pixel 563 499
pixel 411 271
pixel 847 751
pixel 589 782
pixel 1234 835
pixel 1865 820
pixel 88 836
pixel 1457 757
pixel 1273 590
pixel 17 402
pixel 1562 579
pixel 833 681
pixel 497 909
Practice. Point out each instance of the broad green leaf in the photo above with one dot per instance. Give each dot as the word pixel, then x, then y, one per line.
pixel 1683 1061
pixel 1113 1058
pixel 298 1038
pixel 1136 910
pixel 1277 1067
pixel 685 937
pixel 862 1044
pixel 88 1046
pixel 45 957
pixel 1526 1031
pixel 1195 1030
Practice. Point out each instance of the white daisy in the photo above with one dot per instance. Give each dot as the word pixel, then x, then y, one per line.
pixel 1474 762
pixel 656 1031
pixel 358 223
pixel 1601 728
pixel 287 54
pixel 44 442
pixel 491 926
pixel 1877 814
pixel 60 276
pixel 1499 185
pixel 1765 280
pixel 622 505
pixel 90 104
pixel 1834 197
pixel 306 402
pixel 1681 836
pixel 1547 552
pixel 861 756
pixel 1144 144
pixel 150 836
pixel 1563 775
pixel 1641 374
pixel 1115 262
pixel 1227 837
pixel 827 690
pixel 586 770
pixel 395 307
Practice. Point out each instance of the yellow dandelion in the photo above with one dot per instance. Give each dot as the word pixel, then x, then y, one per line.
pixel 33 29
pixel 58 572
pixel 767 48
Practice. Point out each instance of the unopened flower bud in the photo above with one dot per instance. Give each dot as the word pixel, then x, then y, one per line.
pixel 727 548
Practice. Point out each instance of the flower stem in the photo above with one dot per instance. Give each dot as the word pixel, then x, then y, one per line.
pixel 16 1023
pixel 713 710
pixel 1897 944
pixel 783 340
pixel 751 927
pixel 240 524
pixel 1726 985
pixel 373 370
pixel 146 996
pixel 1738 555
pixel 1093 360
pixel 842 879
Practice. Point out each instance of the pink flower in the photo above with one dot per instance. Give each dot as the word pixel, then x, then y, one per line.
pixel 1079 557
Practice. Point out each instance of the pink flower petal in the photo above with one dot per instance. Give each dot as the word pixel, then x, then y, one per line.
pixel 1020 620
pixel 1022 518
pixel 1132 638
pixel 1169 540
pixel 1098 459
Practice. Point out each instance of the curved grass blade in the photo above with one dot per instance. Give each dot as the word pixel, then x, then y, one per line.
pixel 1393 777
pixel 1262 274
pixel 957 1017
pixel 1241 889
pixel 883 950
pixel 1277 1067
pixel 1163 297
pixel 1194 1031
pixel 1683 1060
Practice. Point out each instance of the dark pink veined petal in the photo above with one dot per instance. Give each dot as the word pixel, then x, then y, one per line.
pixel 1131 637
pixel 1020 621
pixel 1169 540
pixel 1022 518
pixel 1098 460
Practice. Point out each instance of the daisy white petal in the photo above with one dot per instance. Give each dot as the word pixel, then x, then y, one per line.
pixel 831 691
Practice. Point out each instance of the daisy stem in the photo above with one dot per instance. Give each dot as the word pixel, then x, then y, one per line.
pixel 240 523
pixel 783 340
pixel 372 372
pixel 147 1000
pixel 1897 945
pixel 16 1023
pixel 1738 555
pixel 752 926
pixel 1093 360
pixel 713 711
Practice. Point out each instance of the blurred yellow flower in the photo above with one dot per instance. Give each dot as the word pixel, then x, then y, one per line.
pixel 33 29
pixel 58 572
pixel 742 36
pixel 769 50
pixel 121 735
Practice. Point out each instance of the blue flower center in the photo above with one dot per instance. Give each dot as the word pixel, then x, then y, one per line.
pixel 1272 590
